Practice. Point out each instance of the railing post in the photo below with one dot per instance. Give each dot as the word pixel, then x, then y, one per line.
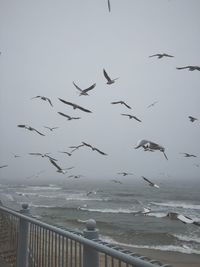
pixel 22 248
pixel 90 256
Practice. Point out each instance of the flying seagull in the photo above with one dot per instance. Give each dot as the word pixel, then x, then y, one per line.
pixel 125 173
pixel 187 155
pixel 122 103
pixel 190 68
pixel 153 104
pixel 69 117
pixel 94 148
pixel 150 183
pixel 43 98
pixel 131 117
pixel 59 169
pixel 74 148
pixel 116 181
pixel 84 91
pixel 75 106
pixel 109 80
pixel 150 146
pixel 29 128
pixel 51 128
pixel 192 119
pixel 3 166
pixel 75 176
pixel 161 55
pixel 45 155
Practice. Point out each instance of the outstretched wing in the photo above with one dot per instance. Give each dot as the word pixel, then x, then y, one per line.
pixel 90 88
pixel 136 118
pixel 53 162
pixel 147 180
pixel 101 152
pixel 65 115
pixel 77 87
pixel 106 75
pixel 49 101
pixel 109 7
pixel 83 109
pixel 37 131
pixel 66 102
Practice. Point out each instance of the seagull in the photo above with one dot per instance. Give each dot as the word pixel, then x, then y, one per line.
pixel 187 155
pixel 16 156
pixel 94 148
pixel 192 119
pixel 150 146
pixel 161 55
pixel 125 173
pixel 91 192
pixel 42 155
pixel 109 80
pixel 182 218
pixel 75 176
pixel 51 128
pixel 3 166
pixel 150 183
pixel 75 106
pixel 29 128
pixel 153 104
pixel 116 181
pixel 69 117
pixel 84 91
pixel 65 152
pixel 75 147
pixel 121 102
pixel 109 7
pixel 43 98
pixel 131 117
pixel 190 68
pixel 59 169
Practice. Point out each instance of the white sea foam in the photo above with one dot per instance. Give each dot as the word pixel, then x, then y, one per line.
pixel 43 206
pixel 41 188
pixel 177 204
pixel 157 214
pixel 182 249
pixel 120 210
pixel 192 238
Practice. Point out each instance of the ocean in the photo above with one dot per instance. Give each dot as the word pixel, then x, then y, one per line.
pixel 117 209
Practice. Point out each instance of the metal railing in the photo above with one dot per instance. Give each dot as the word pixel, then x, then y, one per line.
pixel 27 242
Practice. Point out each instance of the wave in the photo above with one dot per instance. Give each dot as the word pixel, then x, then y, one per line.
pixel 182 249
pixel 43 206
pixel 157 214
pixel 120 210
pixel 177 205
pixel 186 238
pixel 40 188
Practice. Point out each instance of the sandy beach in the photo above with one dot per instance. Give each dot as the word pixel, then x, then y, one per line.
pixel 175 259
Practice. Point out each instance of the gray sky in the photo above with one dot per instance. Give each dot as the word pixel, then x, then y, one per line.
pixel 46 45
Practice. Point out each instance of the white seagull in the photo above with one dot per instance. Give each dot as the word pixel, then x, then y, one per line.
pixel 59 169
pixel 150 146
pixel 29 128
pixel 109 80
pixel 84 91
pixel 43 98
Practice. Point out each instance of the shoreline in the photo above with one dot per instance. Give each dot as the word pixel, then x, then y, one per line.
pixel 175 259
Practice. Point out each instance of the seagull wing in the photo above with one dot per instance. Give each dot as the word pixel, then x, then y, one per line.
pixel 83 109
pixel 165 155
pixel 21 126
pixel 53 162
pixel 77 87
pixel 147 180
pixel 181 68
pixel 35 154
pixel 109 7
pixel 86 144
pixel 126 105
pixel 123 114
pixel 49 101
pixel 3 166
pixel 65 115
pixel 66 102
pixel 36 96
pixel 101 152
pixel 136 118
pixel 155 55
pixel 89 88
pixel 37 131
pixel 116 102
pixel 106 75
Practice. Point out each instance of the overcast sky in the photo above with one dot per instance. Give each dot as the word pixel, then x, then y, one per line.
pixel 46 45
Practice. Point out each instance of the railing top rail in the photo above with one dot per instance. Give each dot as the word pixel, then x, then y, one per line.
pixel 128 258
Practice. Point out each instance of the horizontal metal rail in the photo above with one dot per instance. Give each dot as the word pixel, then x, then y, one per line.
pixel 41 233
